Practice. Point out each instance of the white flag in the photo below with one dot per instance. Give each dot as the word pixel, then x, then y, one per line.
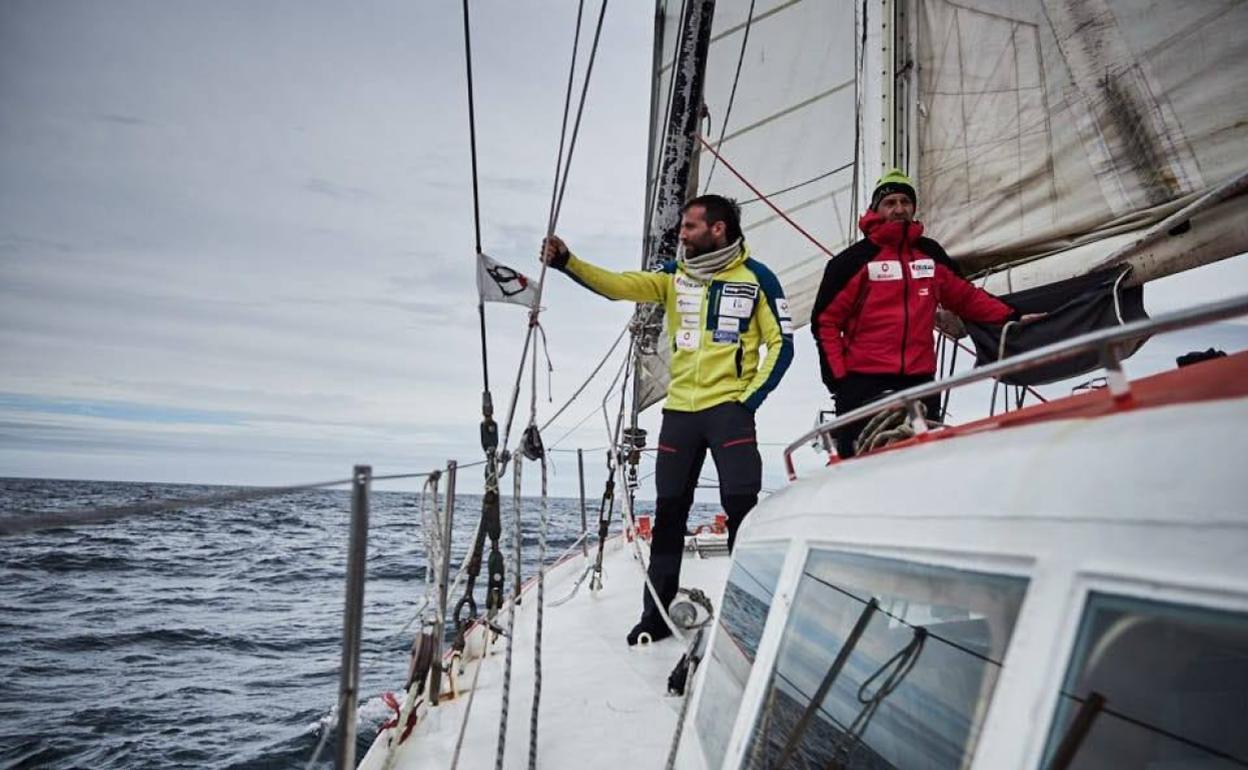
pixel 498 283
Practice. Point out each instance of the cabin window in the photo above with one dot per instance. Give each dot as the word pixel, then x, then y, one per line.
pixel 884 664
pixel 1151 686
pixel 747 599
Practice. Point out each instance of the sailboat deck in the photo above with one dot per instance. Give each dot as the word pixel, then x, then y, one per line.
pixel 601 701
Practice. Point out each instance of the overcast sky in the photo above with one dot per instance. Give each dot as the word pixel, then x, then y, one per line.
pixel 236 237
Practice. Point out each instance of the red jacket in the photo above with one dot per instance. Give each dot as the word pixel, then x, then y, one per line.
pixel 876 308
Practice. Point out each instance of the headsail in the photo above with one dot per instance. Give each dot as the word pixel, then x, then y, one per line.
pixel 1044 126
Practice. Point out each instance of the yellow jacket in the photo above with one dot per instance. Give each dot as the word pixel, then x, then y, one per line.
pixel 714 329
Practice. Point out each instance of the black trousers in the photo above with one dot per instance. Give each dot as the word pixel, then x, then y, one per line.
pixel 855 390
pixel 728 431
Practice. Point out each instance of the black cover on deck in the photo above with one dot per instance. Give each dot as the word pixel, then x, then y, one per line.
pixel 1075 306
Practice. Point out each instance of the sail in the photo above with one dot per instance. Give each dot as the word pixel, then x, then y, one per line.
pixel 1045 126
pixel 785 120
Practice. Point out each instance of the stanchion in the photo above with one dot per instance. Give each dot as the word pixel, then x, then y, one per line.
pixel 444 572
pixel 357 552
pixel 580 472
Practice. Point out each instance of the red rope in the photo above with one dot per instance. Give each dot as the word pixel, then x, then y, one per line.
pixel 763 197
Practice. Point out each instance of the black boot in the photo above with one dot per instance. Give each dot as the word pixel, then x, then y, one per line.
pixel 654 626
pixel 664 573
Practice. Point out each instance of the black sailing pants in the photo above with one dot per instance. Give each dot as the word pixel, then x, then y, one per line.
pixel 855 390
pixel 728 431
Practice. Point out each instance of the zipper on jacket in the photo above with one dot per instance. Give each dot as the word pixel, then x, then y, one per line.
pixel 905 292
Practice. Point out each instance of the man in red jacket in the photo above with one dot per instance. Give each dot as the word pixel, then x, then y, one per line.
pixel 875 314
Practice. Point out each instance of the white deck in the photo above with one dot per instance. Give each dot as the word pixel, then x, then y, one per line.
pixel 603 703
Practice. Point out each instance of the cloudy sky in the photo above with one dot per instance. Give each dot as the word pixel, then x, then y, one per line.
pixel 236 238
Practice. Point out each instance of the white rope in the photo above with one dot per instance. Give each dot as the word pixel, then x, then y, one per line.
pixel 511 627
pixel 537 643
pixel 434 553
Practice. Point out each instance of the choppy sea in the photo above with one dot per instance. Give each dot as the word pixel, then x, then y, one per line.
pixel 208 637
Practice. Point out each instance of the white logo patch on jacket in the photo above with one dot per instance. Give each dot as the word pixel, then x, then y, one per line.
pixel 688 285
pixel 688 339
pixel 688 303
pixel 785 319
pixel 923 268
pixel 884 270
pixel 736 300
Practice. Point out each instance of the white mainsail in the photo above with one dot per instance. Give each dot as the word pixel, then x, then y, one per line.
pixel 789 129
pixel 1055 137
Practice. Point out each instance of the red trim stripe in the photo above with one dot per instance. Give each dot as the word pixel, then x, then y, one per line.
pixel 736 441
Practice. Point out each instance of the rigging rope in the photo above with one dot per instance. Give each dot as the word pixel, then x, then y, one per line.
pixel 511 626
pixel 537 639
pixel 489 524
pixel 588 380
pixel 763 197
pixel 564 164
pixel 607 505
pixel 732 95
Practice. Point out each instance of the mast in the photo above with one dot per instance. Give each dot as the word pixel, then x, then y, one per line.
pixel 680 134
pixel 670 187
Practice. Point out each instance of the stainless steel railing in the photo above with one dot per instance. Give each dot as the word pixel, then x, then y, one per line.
pixel 1107 341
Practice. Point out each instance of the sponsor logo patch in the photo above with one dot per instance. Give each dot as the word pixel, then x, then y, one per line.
pixel 740 290
pixel 923 268
pixel 688 339
pixel 785 318
pixel 884 270
pixel 686 285
pixel 689 322
pixel 729 325
pixel 735 307
pixel 688 303
pixel 723 336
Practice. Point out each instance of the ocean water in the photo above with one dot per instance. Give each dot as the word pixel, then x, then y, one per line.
pixel 210 637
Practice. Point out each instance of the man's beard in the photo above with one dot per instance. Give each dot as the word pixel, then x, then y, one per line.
pixel 694 249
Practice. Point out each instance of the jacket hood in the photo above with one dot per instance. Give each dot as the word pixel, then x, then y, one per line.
pixel 885 233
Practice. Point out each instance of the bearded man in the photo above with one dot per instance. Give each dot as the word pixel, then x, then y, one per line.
pixel 731 339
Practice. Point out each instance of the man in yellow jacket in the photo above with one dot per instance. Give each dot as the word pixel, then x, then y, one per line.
pixel 721 307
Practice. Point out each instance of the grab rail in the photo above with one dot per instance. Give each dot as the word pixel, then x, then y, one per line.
pixel 1108 341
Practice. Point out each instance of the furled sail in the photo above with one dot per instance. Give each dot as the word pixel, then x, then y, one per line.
pixel 1071 126
pixel 785 120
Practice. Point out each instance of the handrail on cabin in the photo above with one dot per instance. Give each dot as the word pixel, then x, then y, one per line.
pixel 1108 341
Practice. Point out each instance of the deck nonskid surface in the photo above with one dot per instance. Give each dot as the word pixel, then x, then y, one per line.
pixel 602 702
